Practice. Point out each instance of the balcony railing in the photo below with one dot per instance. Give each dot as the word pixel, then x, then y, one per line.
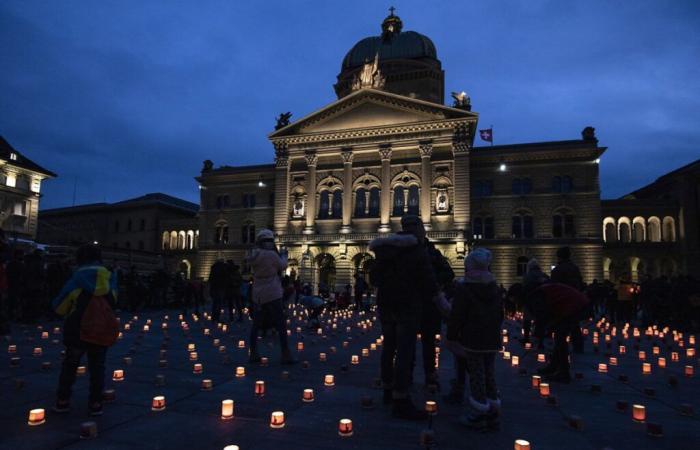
pixel 355 237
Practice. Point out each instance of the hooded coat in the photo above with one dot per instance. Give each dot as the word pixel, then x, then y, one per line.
pixel 267 266
pixel 402 273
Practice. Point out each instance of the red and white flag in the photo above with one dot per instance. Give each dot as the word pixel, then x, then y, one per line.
pixel 486 135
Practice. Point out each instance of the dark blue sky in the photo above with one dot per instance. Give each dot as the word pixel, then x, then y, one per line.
pixel 129 97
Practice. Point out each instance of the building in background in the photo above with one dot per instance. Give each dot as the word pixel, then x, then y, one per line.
pixel 133 230
pixel 20 192
pixel 654 230
pixel 389 147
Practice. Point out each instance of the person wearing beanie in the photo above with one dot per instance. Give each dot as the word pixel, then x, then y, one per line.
pixel 473 329
pixel 267 264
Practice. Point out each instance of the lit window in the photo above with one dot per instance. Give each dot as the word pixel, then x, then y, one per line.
pixel 13 156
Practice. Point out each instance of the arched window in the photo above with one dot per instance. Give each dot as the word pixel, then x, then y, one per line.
pixel 625 232
pixel 609 230
pixel 488 228
pixel 556 184
pixel 522 226
pixel 563 224
pixel 413 200
pixel 521 266
pixel 248 233
pixel 190 239
pixel 173 240
pixel 398 201
pixel 478 228
pixel 337 210
pixel 638 229
pixel 323 205
pixel 374 202
pixel 567 184
pixel 361 206
pixel 166 240
pixel 221 233
pixel 669 229
pixel 654 229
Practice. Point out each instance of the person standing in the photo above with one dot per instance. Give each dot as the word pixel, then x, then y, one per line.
pixel 404 277
pixel 360 288
pixel 475 325
pixel 566 272
pixel 218 279
pixel 235 282
pixel 91 286
pixel 267 264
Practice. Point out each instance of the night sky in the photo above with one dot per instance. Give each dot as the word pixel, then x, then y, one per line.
pixel 121 98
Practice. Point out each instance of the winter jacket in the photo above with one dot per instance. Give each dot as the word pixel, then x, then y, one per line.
pixel 267 265
pixel 553 303
pixel 402 273
pixel 219 276
pixel 567 272
pixel 477 314
pixel 444 275
pixel 87 282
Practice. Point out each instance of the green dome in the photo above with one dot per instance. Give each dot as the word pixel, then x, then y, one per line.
pixel 404 45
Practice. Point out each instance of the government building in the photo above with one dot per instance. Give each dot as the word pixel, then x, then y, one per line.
pixel 387 147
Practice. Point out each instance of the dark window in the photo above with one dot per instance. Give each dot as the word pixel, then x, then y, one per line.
pixel 522 227
pixel 398 201
pixel 517 186
pixel 569 230
pixel 374 202
pixel 249 200
pixel 527 186
pixel 272 199
pixel 566 184
pixel 143 225
pixel 248 234
pixel 521 266
pixel 360 203
pixel 222 201
pixel 557 226
pixel 221 236
pixel 337 204
pixel 323 205
pixel 413 200
pixel 488 228
pixel 528 229
pixel 478 229
pixel 224 235
pixel 517 227
pixel 563 226
pixel 483 188
pixel 556 184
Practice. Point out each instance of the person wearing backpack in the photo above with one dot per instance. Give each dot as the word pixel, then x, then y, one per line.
pixel 403 276
pixel 87 302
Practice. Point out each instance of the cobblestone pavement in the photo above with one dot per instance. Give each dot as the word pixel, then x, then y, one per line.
pixel 580 415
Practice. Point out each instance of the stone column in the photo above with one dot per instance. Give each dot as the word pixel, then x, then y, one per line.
pixel 426 175
pixel 281 215
pixel 460 150
pixel 347 190
pixel 385 194
pixel 310 209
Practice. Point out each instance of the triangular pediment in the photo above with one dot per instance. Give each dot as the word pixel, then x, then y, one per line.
pixel 369 108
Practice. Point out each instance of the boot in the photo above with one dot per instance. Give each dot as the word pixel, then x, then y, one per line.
pixel 287 358
pixel 494 415
pixel 403 408
pixel 456 394
pixel 477 417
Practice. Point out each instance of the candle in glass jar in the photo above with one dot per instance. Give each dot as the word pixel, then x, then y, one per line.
pixel 241 344
pixel 541 358
pixel 118 375
pixel 345 427
pixel 158 403
pixel 260 388
pixel 206 384
pixel 514 361
pixel 300 346
pixel 521 444
pixel 642 355
pixel 193 356
pixel 536 379
pixel 354 359
pixel 646 368
pixel 81 370
pixel 322 357
pixel 544 389
pixel 674 356
pixel 227 409
pixel 689 371
pixel 308 395
pixel 263 361
pixel 197 368
pixel 613 361
pixel 431 407
pixel 365 352
pixel 639 413
pixel 329 380
pixel 36 417
pixel 37 351
pixel 240 372
pixel 277 419
pixel 12 349
pixel 662 362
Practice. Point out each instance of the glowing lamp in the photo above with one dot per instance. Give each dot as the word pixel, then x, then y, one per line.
pixel 241 344
pixel 345 427
pixel 193 356
pixel 308 395
pixel 277 419
pixel 12 349
pixel 158 403
pixel 300 346
pixel 544 390
pixel 354 359
pixel 37 351
pixel 36 417
pixel 80 371
pixel 514 361
pixel 689 371
pixel 206 384
pixel 639 413
pixel 662 362
pixel 536 380
pixel 602 368
pixel 674 356
pixel 226 409
pixel 118 375
pixel 646 368
pixel 541 358
pixel 329 380
pixel 521 444
pixel 197 368
pixel 260 388
pixel 365 352
pixel 431 407
pixel 240 372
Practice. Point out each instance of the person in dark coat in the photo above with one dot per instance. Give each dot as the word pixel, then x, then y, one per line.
pixel 218 281
pixel 557 308
pixel 566 272
pixel 404 277
pixel 473 329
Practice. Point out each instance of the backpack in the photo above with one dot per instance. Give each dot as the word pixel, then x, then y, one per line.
pixel 99 324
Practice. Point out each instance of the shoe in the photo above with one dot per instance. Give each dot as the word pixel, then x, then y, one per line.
pixel 560 376
pixel 478 421
pixel 254 357
pixel 387 397
pixel 403 408
pixel 287 358
pixel 95 409
pixel 61 407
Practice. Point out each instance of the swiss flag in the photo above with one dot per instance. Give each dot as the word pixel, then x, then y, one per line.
pixel 486 135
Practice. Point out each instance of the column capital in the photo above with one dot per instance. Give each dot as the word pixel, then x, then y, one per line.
pixel 385 152
pixel 425 148
pixel 311 159
pixel 460 148
pixel 347 155
pixel 460 139
pixel 281 161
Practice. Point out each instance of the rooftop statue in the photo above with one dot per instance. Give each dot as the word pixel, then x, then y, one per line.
pixel 462 101
pixel 283 120
pixel 370 76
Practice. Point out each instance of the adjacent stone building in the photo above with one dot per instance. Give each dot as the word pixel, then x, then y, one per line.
pixel 654 230
pixel 20 192
pixel 388 147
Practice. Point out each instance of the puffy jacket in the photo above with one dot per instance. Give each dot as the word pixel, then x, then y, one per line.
pixel 402 273
pixel 477 314
pixel 267 265
pixel 87 282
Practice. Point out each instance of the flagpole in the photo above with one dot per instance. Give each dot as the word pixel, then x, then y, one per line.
pixel 491 135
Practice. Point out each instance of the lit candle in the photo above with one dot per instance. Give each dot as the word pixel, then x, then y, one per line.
pixel 662 362
pixel 536 379
pixel 365 352
pixel 300 346
pixel 329 380
pixel 602 368
pixel 222 349
pixel 263 361
pixel 191 347
pixel 241 344
pixel 521 444
pixel 528 346
pixel 646 368
pixel 118 375
pixel 639 413
pixel 322 357
pixel 655 350
pixel 541 358
pixel 308 395
pixel 544 390
pixel 206 384
pixel 36 417
pixel 345 427
pixel 158 403
pixel 44 334
pixel 674 356
pixel 37 351
pixel 642 355
pixel 514 361
pixel 260 388
pixel 197 368
pixel 355 359
pixel 277 419
pixel 622 349
pixel 240 372
pixel 193 356
pixel 431 407
pixel 506 355
pixel 80 371
pixel 373 346
pixel 11 349
pixel 226 409
pixel 146 328
pixel 690 352
pixel 689 371
pixel 231 447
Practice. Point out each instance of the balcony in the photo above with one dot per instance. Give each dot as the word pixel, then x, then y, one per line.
pixel 355 237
